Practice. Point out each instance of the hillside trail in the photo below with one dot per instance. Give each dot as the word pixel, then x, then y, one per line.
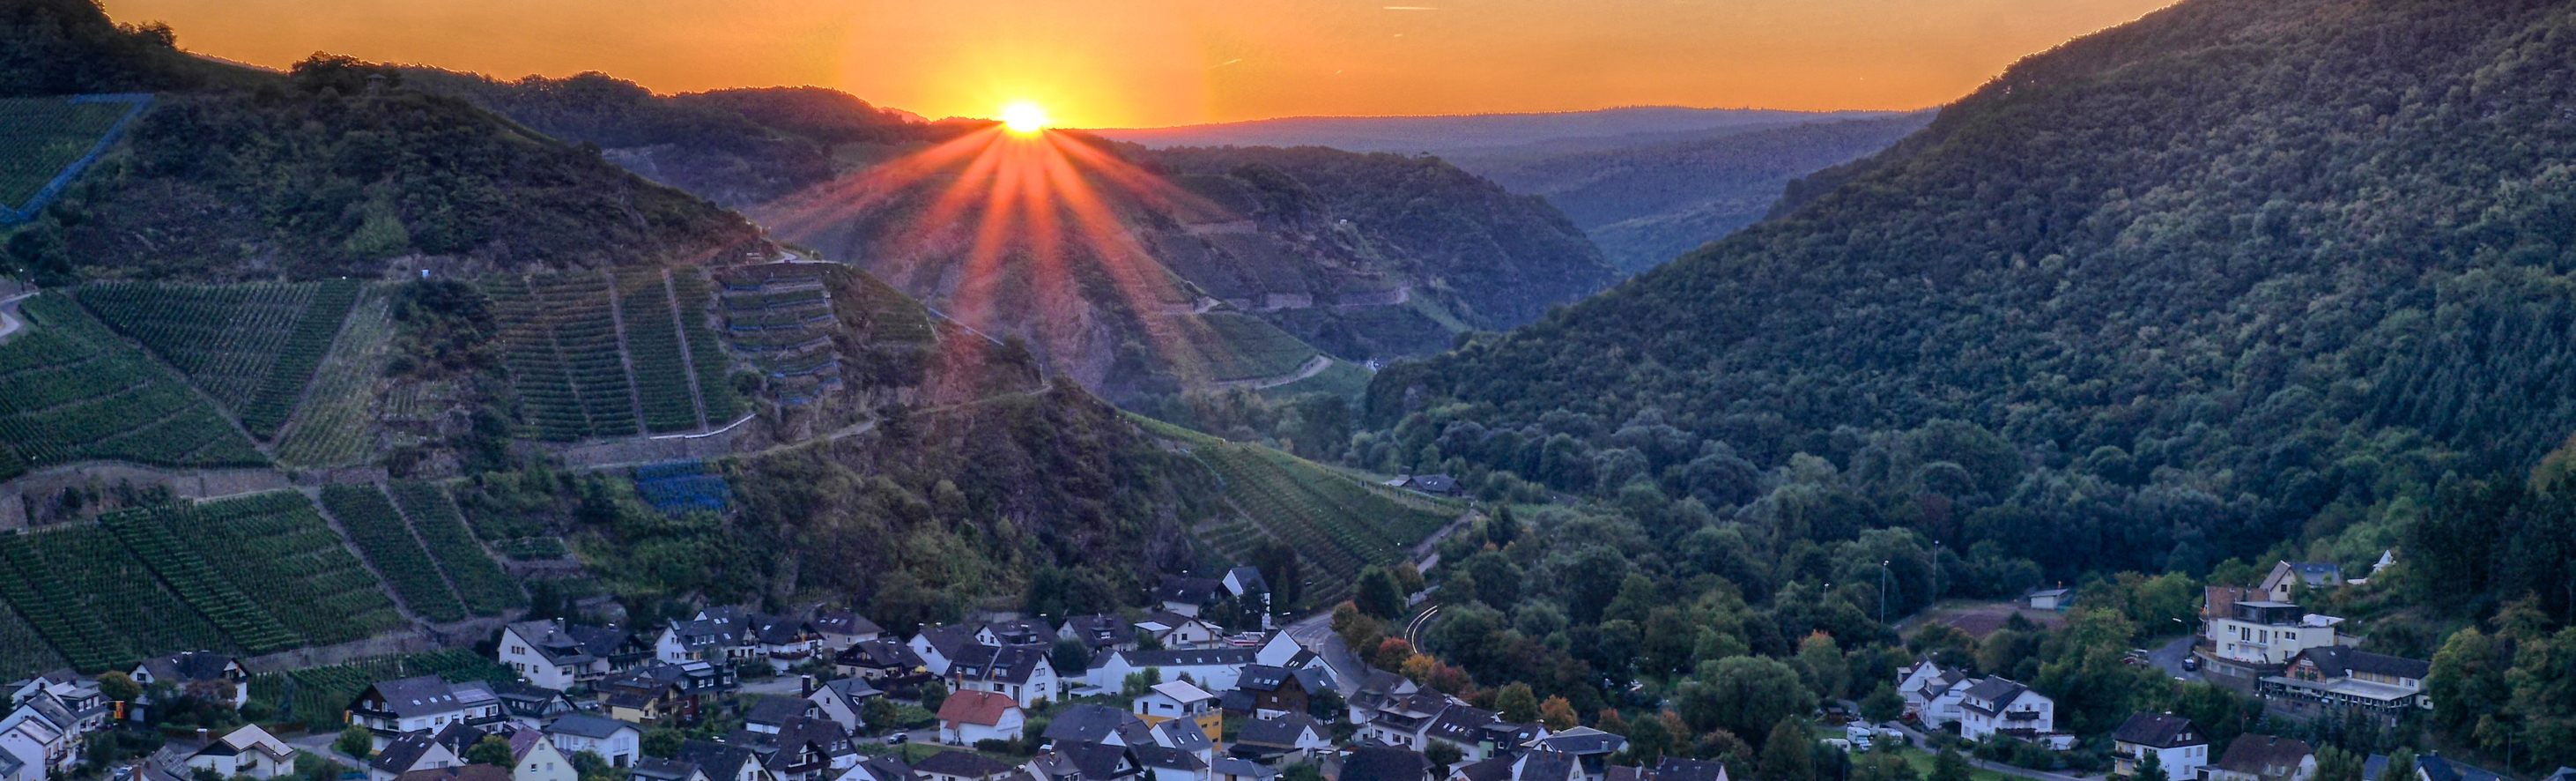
pixel 1313 366
pixel 9 322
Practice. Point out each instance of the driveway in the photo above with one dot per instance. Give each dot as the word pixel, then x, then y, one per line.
pixel 2169 656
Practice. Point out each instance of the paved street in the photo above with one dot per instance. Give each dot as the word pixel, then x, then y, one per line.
pixel 2170 655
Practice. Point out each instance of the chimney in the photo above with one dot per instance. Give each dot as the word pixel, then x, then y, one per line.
pixel 201 736
pixel 807 683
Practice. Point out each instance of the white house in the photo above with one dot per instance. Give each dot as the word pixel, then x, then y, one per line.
pixel 1181 700
pixel 2288 574
pixel 249 751
pixel 968 717
pixel 41 749
pixel 2270 633
pixel 422 704
pixel 197 673
pixel 718 634
pixel 547 655
pixel 842 628
pixel 1020 672
pixel 2050 599
pixel 1289 739
pixel 617 741
pixel 1214 668
pixel 938 645
pixel 845 702
pixel 1997 705
pixel 534 758
pixel 1186 595
pixel 1175 630
pixel 1932 692
pixel 409 752
pixel 2177 746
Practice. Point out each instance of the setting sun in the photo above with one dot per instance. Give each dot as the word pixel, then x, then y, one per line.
pixel 1024 117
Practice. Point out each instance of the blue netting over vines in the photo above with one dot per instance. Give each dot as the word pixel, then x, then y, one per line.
pixel 681 486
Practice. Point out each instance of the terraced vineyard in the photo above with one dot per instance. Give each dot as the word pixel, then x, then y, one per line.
pixel 388 543
pixel 319 693
pixel 485 588
pixel 332 428
pixel 23 651
pixel 224 337
pixel 1242 347
pixel 536 369
pixel 187 573
pixel 779 317
pixel 40 137
pixel 577 309
pixel 690 291
pixel 653 345
pixel 71 390
pixel 94 601
pixel 284 387
pixel 276 548
pixel 1339 522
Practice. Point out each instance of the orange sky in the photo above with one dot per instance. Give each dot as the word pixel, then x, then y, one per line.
pixel 1111 63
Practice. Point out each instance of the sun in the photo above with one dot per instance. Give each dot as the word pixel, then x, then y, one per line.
pixel 1024 117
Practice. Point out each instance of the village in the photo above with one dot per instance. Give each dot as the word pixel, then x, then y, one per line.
pixel 1183 692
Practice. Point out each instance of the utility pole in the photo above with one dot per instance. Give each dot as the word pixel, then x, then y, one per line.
pixel 1883 577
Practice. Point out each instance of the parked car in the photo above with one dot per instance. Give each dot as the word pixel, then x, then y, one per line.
pixel 2191 663
pixel 898 738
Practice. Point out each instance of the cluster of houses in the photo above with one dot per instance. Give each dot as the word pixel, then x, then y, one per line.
pixel 2259 641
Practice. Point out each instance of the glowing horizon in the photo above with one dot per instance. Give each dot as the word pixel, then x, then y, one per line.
pixel 1152 63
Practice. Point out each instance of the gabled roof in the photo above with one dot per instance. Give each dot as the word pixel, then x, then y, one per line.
pixel 826 736
pixel 1241 768
pixel 1098 630
pixel 1021 631
pixel 1194 657
pixel 1679 769
pixel 1495 769
pixel 881 655
pixel 1187 590
pixel 1280 732
pixel 946 639
pixel 1250 578
pixel 417 696
pixel 2266 756
pixel 777 709
pixel 722 762
pixel 403 752
pixel 844 622
pixel 887 767
pixel 458 773
pixel 1545 766
pixel 1384 763
pixel 1151 755
pixel 659 769
pixel 780 630
pixel 587 726
pixel 188 666
pixel 1461 724
pixel 2438 768
pixel 524 741
pixel 458 736
pixel 1182 734
pixel 1011 664
pixel 1263 678
pixel 966 764
pixel 853 691
pixel 1997 691
pixel 1087 723
pixel 2158 730
pixel 985 708
pixel 549 639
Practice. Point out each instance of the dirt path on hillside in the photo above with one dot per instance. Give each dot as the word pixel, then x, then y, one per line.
pixel 1312 366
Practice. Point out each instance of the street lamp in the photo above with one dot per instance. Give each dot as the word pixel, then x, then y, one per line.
pixel 1883 577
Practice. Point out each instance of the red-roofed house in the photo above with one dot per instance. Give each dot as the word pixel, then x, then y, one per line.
pixel 971 716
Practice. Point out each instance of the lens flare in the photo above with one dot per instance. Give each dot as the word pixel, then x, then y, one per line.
pixel 1024 117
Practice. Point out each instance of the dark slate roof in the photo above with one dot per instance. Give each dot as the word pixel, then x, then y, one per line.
pixel 1184 735
pixel 1151 755
pixel 1262 678
pixel 961 763
pixel 2159 730
pixel 1250 577
pixel 1099 630
pixel 1237 701
pixel 2267 756
pixel 779 630
pixel 417 696
pixel 1583 741
pixel 1994 689
pixel 186 666
pixel 2343 661
pixel 458 773
pixel 586 725
pixel 1461 724
pixel 2437 768
pixel 1087 723
pixel 1384 763
pixel 844 622
pixel 1242 768
pixel 402 752
pixel 1279 733
pixel 777 709
pixel 659 769
pixel 825 735
pixel 1546 766
pixel 1195 657
pixel 600 641
pixel 879 654
pixel 459 736
pixel 1437 484
pixel 2317 573
pixel 1188 590
pixel 721 627
pixel 947 639
pixel 1021 631
pixel 1679 769
pixel 1011 664
pixel 888 767
pixel 1495 769
pixel 854 691
pixel 722 762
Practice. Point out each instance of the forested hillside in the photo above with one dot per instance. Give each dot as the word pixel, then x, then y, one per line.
pixel 2187 285
pixel 334 169
pixel 1648 203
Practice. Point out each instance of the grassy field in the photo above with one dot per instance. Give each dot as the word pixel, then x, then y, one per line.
pixel 1340 523
pixel 333 427
pixel 40 136
pixel 71 390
